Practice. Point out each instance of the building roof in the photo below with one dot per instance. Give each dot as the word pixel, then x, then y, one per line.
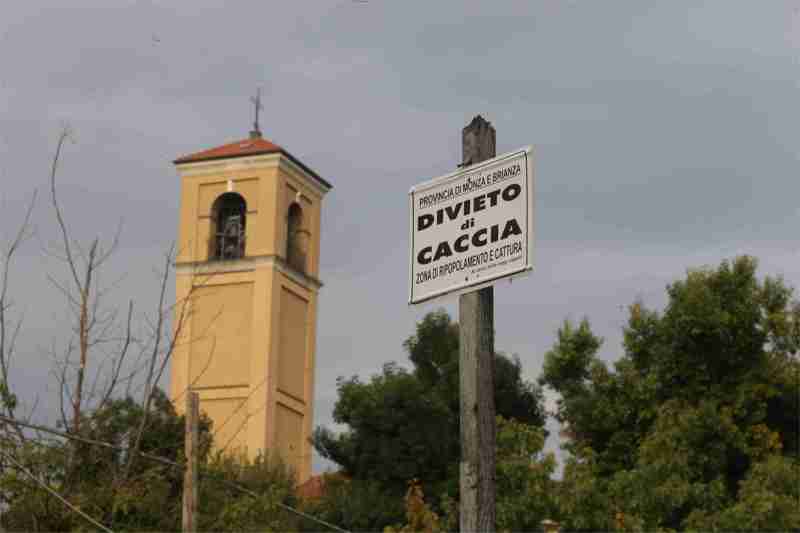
pixel 255 145
pixel 312 489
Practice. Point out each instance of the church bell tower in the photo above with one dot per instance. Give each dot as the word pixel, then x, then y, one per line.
pixel 248 274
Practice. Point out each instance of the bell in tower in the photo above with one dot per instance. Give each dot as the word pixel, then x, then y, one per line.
pixel 228 214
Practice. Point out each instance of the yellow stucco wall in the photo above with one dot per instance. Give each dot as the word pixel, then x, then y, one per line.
pixel 248 326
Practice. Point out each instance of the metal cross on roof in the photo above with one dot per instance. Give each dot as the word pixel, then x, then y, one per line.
pixel 258 107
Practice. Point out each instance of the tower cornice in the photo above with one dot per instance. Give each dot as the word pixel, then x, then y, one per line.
pixel 277 159
pixel 247 264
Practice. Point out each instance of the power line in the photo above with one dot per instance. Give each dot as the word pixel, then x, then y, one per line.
pixel 279 504
pixel 85 440
pixel 164 461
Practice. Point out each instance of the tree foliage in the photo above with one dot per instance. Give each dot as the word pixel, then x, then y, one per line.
pixel 403 424
pixel 419 515
pixel 223 507
pixel 702 404
pixel 149 497
pixel 92 476
pixel 398 429
pixel 524 484
pixel 355 505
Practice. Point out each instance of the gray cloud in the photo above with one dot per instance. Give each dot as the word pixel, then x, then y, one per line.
pixel 665 137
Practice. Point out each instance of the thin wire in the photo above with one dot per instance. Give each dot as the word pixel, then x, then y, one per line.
pixel 169 462
pixel 279 504
pixel 46 429
pixel 54 493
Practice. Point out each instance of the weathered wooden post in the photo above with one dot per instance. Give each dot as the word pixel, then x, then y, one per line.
pixel 476 368
pixel 190 473
pixel 468 230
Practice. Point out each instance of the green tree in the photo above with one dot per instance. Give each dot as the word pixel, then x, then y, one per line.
pixel 768 501
pixel 355 505
pixel 224 507
pixel 404 424
pixel 704 392
pixel 434 353
pixel 399 430
pixel 525 486
pixel 149 496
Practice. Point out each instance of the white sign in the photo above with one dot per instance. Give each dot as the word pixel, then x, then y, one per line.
pixel 472 227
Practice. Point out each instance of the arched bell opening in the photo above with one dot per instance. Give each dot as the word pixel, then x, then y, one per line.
pixel 296 238
pixel 229 220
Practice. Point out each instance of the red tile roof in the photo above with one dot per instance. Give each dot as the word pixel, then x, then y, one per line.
pixel 234 149
pixel 312 489
pixel 245 147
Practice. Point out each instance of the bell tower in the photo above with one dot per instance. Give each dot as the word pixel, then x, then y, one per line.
pixel 248 271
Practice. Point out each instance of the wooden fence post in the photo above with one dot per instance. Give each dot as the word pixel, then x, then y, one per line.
pixel 190 473
pixel 476 369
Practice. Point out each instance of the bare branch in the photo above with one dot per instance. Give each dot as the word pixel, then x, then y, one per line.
pixel 200 374
pixel 239 408
pixel 120 358
pixel 242 426
pixel 62 138
pixel 63 290
pixel 149 385
pixel 94 442
pixel 104 256
pixel 83 347
pixel 7 344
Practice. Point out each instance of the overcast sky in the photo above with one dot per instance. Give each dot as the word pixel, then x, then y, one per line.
pixel 665 134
